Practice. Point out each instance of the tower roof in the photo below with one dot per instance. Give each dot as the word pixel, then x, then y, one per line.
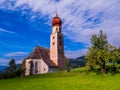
pixel 41 53
pixel 56 20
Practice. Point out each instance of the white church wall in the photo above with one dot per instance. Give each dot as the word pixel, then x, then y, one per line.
pixel 27 66
pixel 43 67
pixel 36 68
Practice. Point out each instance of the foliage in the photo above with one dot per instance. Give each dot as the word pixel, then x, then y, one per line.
pixel 67 65
pixel 13 70
pixel 101 53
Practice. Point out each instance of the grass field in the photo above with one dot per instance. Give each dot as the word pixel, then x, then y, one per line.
pixel 74 80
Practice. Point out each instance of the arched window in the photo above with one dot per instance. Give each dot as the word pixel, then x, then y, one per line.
pixel 60 37
pixel 53 43
pixel 53 37
pixel 44 69
pixel 31 67
pixel 36 67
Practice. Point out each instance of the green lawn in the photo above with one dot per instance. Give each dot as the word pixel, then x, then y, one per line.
pixel 75 80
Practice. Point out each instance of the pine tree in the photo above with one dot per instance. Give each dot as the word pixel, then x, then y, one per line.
pixel 11 70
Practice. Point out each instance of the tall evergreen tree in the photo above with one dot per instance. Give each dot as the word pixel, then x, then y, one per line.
pixel 11 70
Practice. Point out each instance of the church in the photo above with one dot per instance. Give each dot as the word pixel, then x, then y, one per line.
pixel 43 60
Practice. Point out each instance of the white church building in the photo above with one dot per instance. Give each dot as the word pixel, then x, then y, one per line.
pixel 43 60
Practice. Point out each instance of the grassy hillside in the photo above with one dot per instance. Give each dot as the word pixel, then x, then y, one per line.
pixel 75 80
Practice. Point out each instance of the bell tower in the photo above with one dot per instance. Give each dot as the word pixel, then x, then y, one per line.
pixel 57 44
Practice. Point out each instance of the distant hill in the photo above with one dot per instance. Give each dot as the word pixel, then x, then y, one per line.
pixel 2 68
pixel 78 62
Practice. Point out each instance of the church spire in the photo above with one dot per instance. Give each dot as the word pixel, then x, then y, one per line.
pixel 56 14
pixel 56 20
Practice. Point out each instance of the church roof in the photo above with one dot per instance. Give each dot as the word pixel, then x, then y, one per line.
pixel 42 53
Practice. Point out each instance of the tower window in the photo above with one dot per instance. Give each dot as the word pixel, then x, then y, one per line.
pixel 60 43
pixel 53 37
pixel 60 37
pixel 53 43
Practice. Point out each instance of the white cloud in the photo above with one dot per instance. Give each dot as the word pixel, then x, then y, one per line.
pixel 19 61
pixel 15 54
pixel 6 31
pixel 75 54
pixel 1 1
pixel 81 18
pixel 4 61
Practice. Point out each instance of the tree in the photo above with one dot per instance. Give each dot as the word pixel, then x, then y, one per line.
pixel 98 53
pixel 114 57
pixel 14 70
pixel 91 58
pixel 11 70
pixel 118 54
pixel 67 64
pixel 21 69
pixel 102 53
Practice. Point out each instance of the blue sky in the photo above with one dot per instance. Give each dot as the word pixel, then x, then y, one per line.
pixel 24 24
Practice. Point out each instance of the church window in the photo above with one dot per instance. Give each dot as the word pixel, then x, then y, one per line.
pixel 36 67
pixel 53 37
pixel 60 43
pixel 53 43
pixel 31 67
pixel 44 69
pixel 60 37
